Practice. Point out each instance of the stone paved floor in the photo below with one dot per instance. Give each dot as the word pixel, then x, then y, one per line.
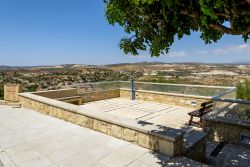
pixel 157 113
pixel 229 156
pixel 31 139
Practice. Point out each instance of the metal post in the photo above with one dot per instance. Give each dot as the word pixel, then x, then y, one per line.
pixel 132 89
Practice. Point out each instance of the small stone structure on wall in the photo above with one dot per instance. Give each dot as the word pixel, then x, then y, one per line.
pixel 11 92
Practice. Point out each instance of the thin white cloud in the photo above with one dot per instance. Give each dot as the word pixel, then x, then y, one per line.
pixel 177 54
pixel 243 48
pixel 232 49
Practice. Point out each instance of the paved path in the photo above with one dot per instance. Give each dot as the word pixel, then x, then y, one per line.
pixel 31 139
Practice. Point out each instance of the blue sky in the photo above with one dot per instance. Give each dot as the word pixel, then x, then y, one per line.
pixel 51 32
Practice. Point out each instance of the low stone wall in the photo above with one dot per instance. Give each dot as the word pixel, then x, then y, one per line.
pixel 62 95
pixel 166 140
pixel 224 132
pixel 55 94
pixel 168 98
pixel 99 95
pixel 160 97
pixel 195 145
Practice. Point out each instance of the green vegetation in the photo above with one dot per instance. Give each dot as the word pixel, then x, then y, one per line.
pixel 163 80
pixel 32 88
pixel 154 24
pixel 1 91
pixel 243 90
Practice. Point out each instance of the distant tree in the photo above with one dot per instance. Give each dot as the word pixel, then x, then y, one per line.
pixel 243 90
pixel 1 91
pixel 153 24
pixel 32 88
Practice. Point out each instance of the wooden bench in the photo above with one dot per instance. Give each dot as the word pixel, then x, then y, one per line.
pixel 204 109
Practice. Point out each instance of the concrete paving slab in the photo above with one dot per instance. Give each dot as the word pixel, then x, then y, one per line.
pixel 52 142
pixel 156 113
pixel 150 159
pixel 151 106
pixel 129 113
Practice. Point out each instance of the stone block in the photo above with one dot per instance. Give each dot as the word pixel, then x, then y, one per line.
pixel 144 140
pixel 178 147
pixel 166 147
pixel 116 131
pixel 89 123
pixel 154 143
pixel 103 127
pixel 72 117
pixel 129 135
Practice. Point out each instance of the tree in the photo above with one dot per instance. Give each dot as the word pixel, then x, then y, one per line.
pixel 153 24
pixel 1 91
pixel 243 90
pixel 32 88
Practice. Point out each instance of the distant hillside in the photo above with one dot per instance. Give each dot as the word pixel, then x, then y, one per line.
pixel 137 64
pixel 6 68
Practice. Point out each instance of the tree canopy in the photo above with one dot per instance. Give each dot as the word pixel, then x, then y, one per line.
pixel 153 24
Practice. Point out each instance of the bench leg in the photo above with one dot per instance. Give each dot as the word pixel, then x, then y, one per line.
pixel 191 120
pixel 200 122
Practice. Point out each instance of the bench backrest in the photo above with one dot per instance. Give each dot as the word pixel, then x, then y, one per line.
pixel 206 106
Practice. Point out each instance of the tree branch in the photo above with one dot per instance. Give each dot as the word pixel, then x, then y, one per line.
pixel 227 30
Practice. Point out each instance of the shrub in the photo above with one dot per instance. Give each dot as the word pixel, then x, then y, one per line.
pixel 243 90
pixel 1 92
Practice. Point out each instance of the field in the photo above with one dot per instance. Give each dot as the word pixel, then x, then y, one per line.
pixel 65 76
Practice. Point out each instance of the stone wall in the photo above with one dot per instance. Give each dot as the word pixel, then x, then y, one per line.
pixel 195 145
pixel 168 98
pixel 166 140
pixel 160 97
pixel 222 131
pixel 11 92
pixel 99 95
pixel 62 95
pixel 55 94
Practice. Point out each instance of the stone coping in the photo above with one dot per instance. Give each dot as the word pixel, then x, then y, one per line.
pixel 214 117
pixel 96 91
pixel 193 138
pixel 45 91
pixel 167 133
pixel 70 97
pixel 171 94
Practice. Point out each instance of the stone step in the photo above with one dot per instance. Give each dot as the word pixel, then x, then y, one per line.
pixel 13 104
pixel 195 145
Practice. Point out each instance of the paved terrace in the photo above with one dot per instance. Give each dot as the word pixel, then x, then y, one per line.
pixel 152 112
pixel 30 139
